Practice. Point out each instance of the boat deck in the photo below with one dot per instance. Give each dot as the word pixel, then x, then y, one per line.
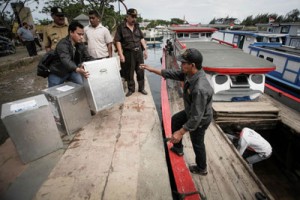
pixel 119 155
pixel 284 49
pixel 229 177
pixel 225 59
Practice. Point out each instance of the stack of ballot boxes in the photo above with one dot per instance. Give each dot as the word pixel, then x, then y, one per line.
pixel 104 86
pixel 30 125
pixel 69 106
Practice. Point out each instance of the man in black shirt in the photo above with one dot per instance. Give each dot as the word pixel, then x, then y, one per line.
pixel 132 50
pixel 197 113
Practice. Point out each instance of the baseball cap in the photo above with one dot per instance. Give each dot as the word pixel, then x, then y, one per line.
pixel 132 11
pixel 191 56
pixel 57 11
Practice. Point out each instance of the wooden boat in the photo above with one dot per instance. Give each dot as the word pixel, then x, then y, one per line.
pixel 234 75
pixel 242 39
pixel 153 44
pixel 282 83
pixel 152 35
pixel 192 32
pixel 221 62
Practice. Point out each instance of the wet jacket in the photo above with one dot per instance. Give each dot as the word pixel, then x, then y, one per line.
pixel 197 96
pixel 65 59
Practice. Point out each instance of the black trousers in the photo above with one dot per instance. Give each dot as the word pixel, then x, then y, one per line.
pixel 133 59
pixel 31 48
pixel 37 42
pixel 197 138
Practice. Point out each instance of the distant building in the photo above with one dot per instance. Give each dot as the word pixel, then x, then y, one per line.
pixel 83 19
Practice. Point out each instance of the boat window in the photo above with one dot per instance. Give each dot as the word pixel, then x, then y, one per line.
pixel 265 39
pixel 274 40
pixel 258 79
pixel 270 30
pixel 235 39
pixel 194 35
pixel 202 34
pixel 208 34
pixel 295 42
pixel 179 35
pixel 261 56
pixel 239 81
pixel 269 59
pixel 285 29
pixel 186 35
pixel 221 79
pixel 259 39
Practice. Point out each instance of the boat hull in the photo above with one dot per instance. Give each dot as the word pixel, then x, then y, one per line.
pixel 155 38
pixel 284 82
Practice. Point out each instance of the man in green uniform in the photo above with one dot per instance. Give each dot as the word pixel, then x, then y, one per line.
pixel 55 31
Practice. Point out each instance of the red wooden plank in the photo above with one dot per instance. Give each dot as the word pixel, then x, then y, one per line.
pixel 282 93
pixel 241 70
pixel 183 179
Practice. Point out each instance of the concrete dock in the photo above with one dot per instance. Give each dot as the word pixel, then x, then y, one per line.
pixel 120 154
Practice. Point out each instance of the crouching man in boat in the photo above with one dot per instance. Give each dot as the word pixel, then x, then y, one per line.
pixel 197 113
pixel 258 148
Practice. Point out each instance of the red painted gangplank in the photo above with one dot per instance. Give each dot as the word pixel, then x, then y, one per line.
pixel 183 179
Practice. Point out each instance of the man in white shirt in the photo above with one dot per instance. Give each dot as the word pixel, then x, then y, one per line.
pixel 253 141
pixel 98 38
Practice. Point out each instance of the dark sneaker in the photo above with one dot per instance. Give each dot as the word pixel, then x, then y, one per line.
pixel 129 93
pixel 196 170
pixel 178 151
pixel 143 92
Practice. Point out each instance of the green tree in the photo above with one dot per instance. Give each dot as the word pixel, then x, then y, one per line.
pixel 292 16
pixel 176 21
pixel 213 21
pixel 248 21
pixel 73 8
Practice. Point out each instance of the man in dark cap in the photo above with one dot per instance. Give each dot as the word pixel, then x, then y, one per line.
pixel 55 31
pixel 132 50
pixel 197 113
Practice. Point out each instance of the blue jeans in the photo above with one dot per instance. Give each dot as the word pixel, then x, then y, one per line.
pixel 197 138
pixel 256 158
pixel 54 80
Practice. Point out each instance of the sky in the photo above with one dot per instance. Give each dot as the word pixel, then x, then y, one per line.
pixel 203 11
